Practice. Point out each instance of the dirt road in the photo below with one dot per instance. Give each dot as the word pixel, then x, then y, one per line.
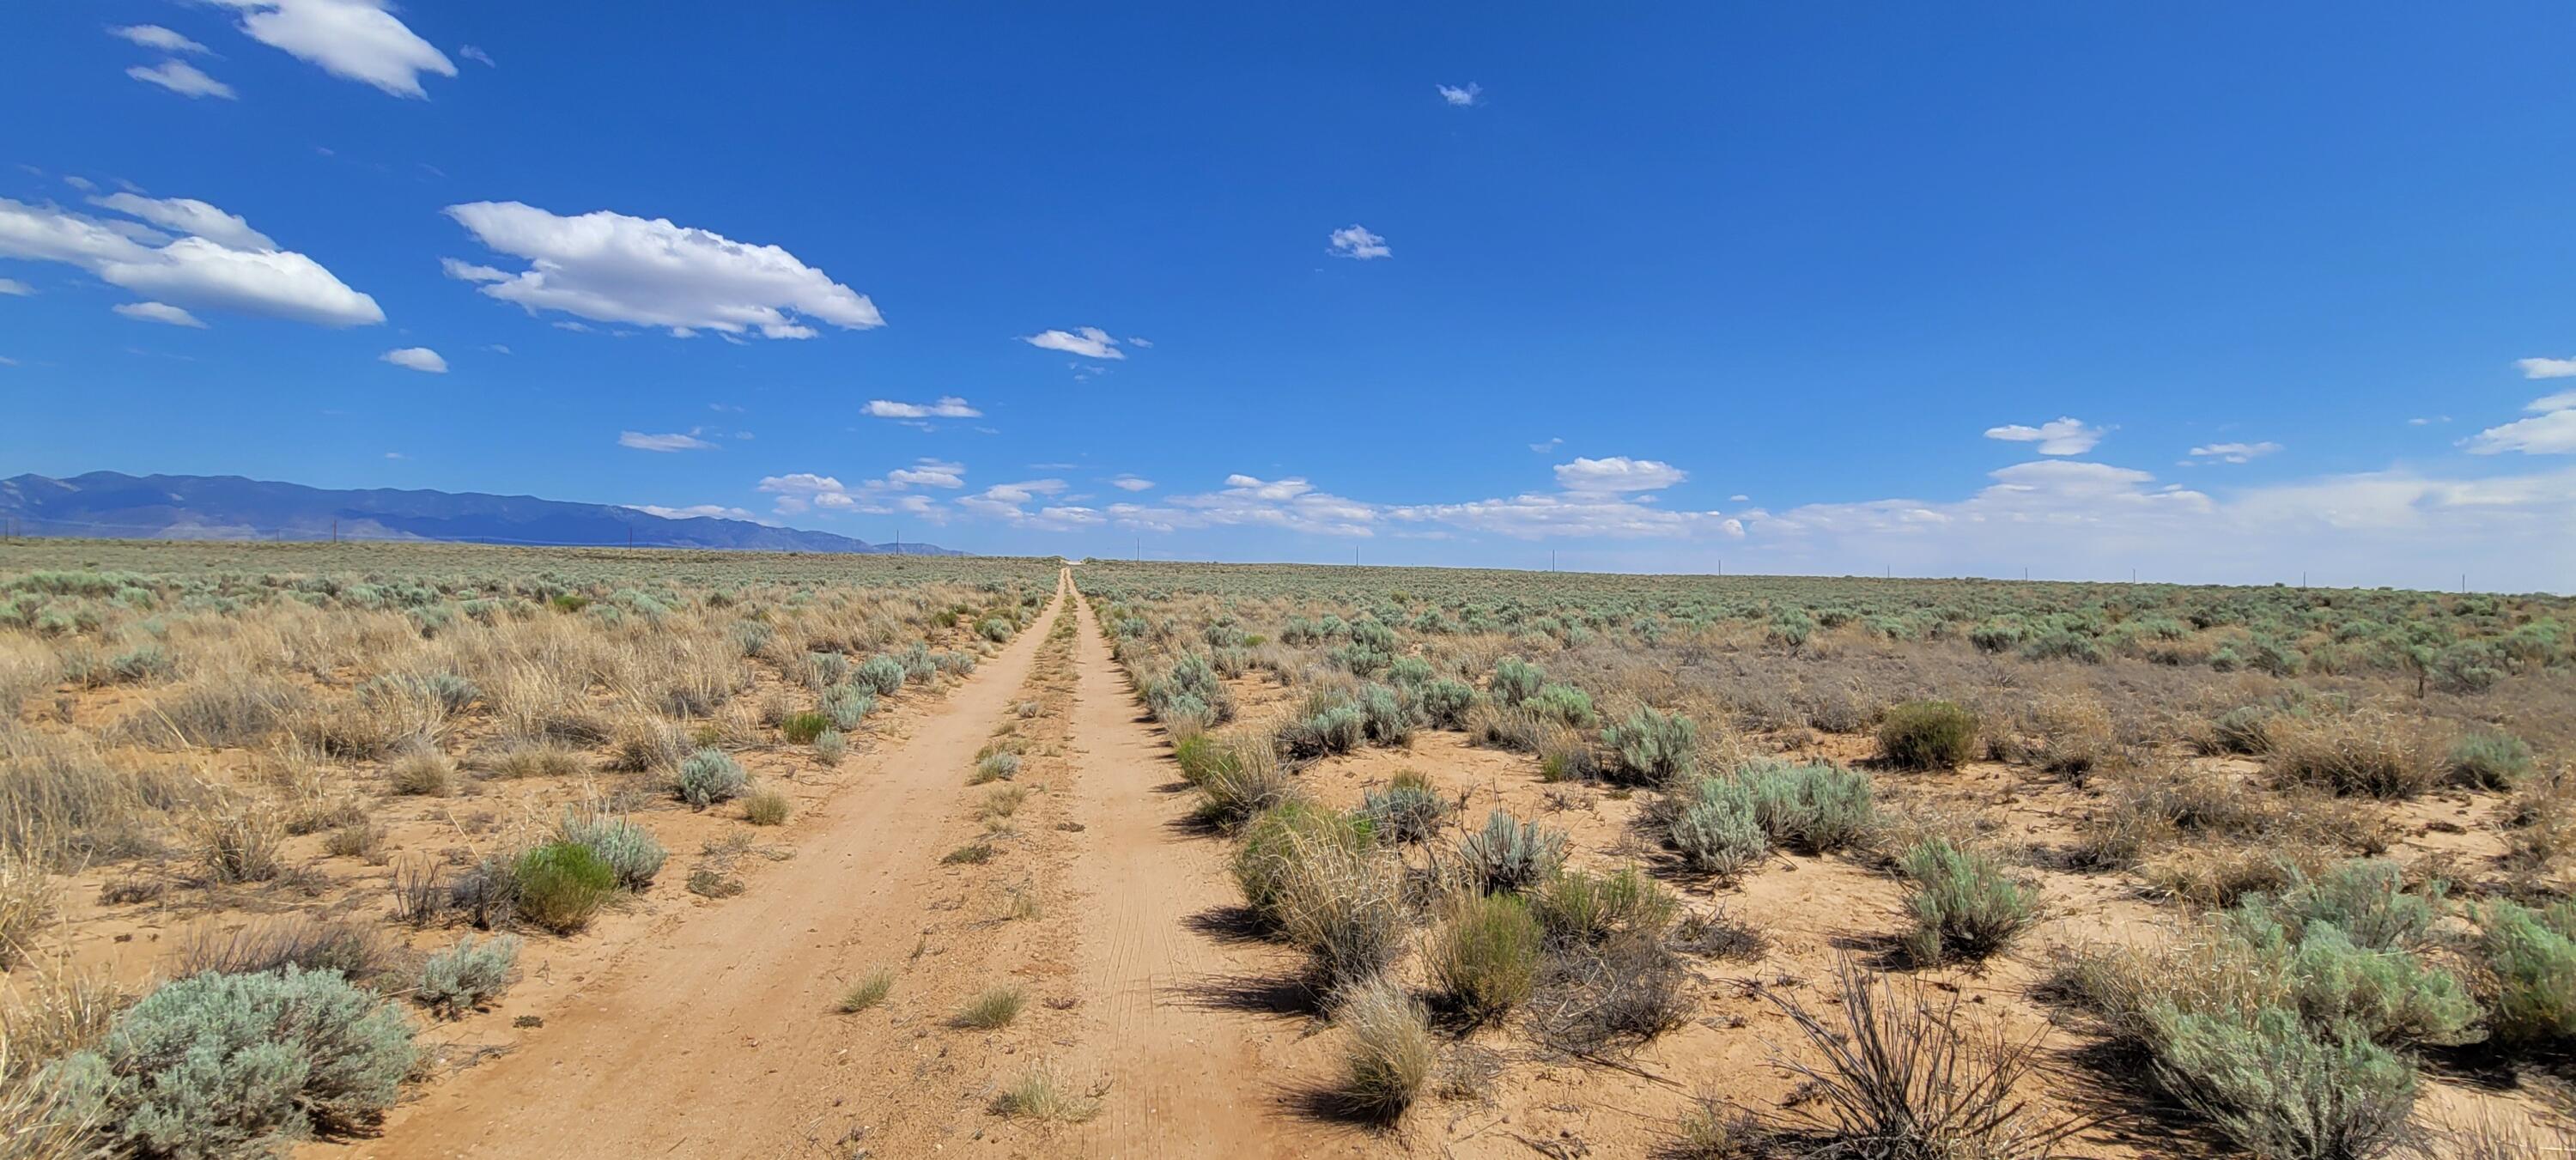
pixel 721 1039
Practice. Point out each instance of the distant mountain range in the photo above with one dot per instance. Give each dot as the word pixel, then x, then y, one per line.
pixel 111 504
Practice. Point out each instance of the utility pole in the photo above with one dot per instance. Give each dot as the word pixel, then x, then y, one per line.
pixel 335 529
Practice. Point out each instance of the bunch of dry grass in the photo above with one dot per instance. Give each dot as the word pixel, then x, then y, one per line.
pixel 237 839
pixel 305 942
pixel 50 1014
pixel 1390 1051
pixel 28 902
pixel 61 800
pixel 1048 1092
pixel 1905 1075
pixel 1339 899
pixel 2369 751
pixel 218 708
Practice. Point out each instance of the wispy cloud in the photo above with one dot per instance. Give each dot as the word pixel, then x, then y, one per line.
pixel 1462 96
pixel 947 407
pixel 161 312
pixel 419 358
pixel 1089 342
pixel 671 442
pixel 2233 452
pixel 182 78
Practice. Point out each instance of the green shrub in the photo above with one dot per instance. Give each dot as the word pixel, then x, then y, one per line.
pixel 1654 747
pixel 464 977
pixel 803 728
pixel 2488 759
pixel 1328 889
pixel 1444 703
pixel 230 1065
pixel 1384 718
pixel 1713 824
pixel 1564 703
pixel 830 746
pixel 630 851
pixel 1516 680
pixel 560 885
pixel 2390 996
pixel 1963 905
pixel 1329 727
pixel 2366 897
pixel 709 776
pixel 1510 855
pixel 1583 909
pixel 1485 961
pixel 1927 735
pixel 848 705
pixel 870 990
pixel 880 674
pixel 2279 1090
pixel 1407 810
pixel 2531 963
pixel 1813 807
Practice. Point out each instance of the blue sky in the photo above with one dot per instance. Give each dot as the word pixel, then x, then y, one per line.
pixel 2214 292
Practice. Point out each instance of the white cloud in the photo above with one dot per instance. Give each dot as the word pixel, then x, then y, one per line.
pixel 2234 452
pixel 191 271
pixel 2427 421
pixel 1550 444
pixel 2550 434
pixel 1089 342
pixel 671 442
pixel 1140 343
pixel 1131 483
pixel 1462 97
pixel 419 358
pixel 929 473
pixel 356 40
pixel 1355 242
pixel 155 36
pixel 187 215
pixel 2061 436
pixel 2557 402
pixel 1025 504
pixel 609 267
pixel 694 511
pixel 1617 473
pixel 476 55
pixel 182 78
pixel 15 288
pixel 948 407
pixel 2547 368
pixel 396 455
pixel 157 312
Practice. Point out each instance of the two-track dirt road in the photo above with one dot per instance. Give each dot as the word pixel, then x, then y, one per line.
pixel 720 1038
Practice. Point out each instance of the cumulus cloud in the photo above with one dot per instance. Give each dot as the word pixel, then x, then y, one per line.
pixel 2060 436
pixel 156 37
pixel 1089 342
pixel 2557 402
pixel 948 407
pixel 1132 483
pixel 357 40
pixel 419 358
pixel 1032 504
pixel 2547 368
pixel 671 442
pixel 2234 452
pixel 609 267
pixel 1357 243
pixel 182 78
pixel 1617 473
pixel 1462 97
pixel 157 312
pixel 802 491
pixel 192 271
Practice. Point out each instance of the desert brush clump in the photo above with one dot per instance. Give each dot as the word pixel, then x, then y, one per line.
pixel 1485 958
pixel 1240 782
pixel 1900 1073
pixel 1582 908
pixel 468 975
pixel 1322 882
pixel 560 886
pixel 709 776
pixel 1924 735
pixel 1509 855
pixel 1654 748
pixel 1408 810
pixel 2366 752
pixel 1963 905
pixel 1811 807
pixel 2487 758
pixel 991 1009
pixel 867 991
pixel 631 852
pixel 1047 1093
pixel 1279 835
pixel 224 1065
pixel 2529 960
pixel 1713 824
pixel 1388 1051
